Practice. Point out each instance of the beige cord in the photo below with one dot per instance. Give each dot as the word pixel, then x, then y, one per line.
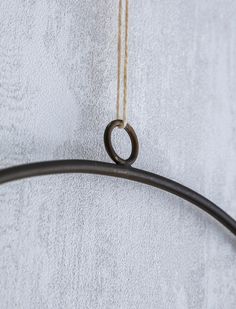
pixel 125 90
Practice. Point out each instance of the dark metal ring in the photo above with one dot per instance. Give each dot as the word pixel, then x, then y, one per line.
pixel 108 144
pixel 118 171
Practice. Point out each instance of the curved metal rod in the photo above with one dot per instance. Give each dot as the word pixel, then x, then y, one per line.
pixel 126 172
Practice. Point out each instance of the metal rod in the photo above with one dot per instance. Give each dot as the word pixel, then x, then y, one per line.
pixel 120 171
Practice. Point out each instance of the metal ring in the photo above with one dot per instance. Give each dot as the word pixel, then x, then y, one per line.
pixel 118 171
pixel 108 144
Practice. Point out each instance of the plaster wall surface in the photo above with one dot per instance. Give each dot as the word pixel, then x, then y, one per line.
pixel 79 241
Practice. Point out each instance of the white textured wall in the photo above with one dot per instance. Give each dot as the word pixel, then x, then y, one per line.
pixel 81 241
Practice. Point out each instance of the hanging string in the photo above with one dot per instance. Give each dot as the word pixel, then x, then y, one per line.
pixel 122 116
